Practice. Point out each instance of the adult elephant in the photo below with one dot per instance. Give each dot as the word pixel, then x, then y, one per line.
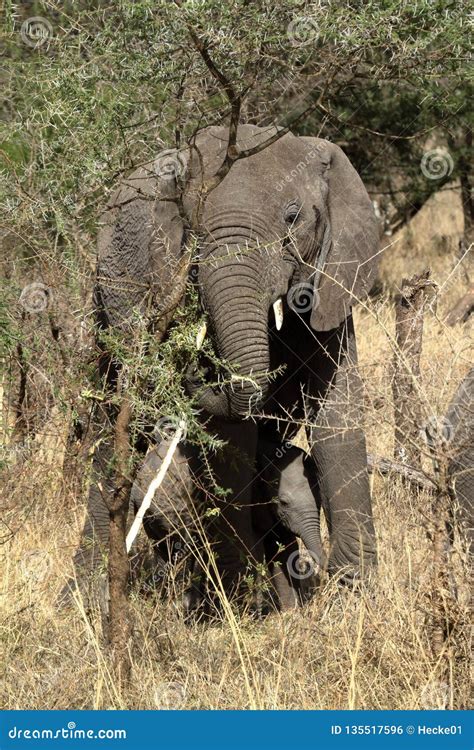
pixel 292 228
pixel 289 227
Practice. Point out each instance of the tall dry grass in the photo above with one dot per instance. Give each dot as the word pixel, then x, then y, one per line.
pixel 367 650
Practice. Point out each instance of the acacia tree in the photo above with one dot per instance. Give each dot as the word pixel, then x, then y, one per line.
pixel 112 83
pixel 93 89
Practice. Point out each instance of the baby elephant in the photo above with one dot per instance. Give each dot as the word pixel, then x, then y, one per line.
pixel 287 506
pixel 272 502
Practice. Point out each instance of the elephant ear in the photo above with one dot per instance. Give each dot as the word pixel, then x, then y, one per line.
pixel 347 261
pixel 140 241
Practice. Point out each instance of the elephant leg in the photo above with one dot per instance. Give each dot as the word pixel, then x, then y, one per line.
pixel 283 579
pixel 338 447
pixel 235 545
pixel 90 559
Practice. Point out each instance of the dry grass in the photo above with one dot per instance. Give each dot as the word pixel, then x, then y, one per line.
pixel 343 650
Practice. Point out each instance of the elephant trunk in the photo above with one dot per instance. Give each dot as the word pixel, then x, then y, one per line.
pixel 232 294
pixel 94 544
pixel 308 529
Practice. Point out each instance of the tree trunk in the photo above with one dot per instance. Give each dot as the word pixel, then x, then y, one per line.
pixel 441 597
pixel 466 188
pixel 120 628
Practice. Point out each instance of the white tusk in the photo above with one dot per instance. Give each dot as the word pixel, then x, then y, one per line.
pixel 154 485
pixel 201 335
pixel 278 312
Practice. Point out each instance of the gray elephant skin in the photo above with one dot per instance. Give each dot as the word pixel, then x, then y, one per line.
pixel 460 421
pixel 291 229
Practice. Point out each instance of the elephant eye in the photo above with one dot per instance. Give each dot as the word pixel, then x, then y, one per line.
pixel 292 213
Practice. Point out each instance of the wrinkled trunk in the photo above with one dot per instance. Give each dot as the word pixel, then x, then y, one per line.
pixel 309 533
pixel 234 296
pixel 90 558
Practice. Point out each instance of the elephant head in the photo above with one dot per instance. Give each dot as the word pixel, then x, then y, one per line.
pixel 288 493
pixel 290 227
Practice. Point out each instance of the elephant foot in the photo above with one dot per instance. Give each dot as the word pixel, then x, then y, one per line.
pixel 286 594
pixel 352 571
